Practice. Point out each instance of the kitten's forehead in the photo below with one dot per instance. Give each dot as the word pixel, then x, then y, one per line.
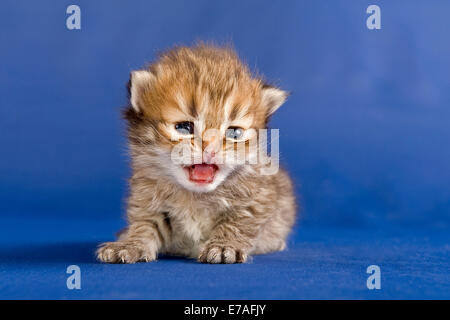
pixel 205 84
pixel 233 107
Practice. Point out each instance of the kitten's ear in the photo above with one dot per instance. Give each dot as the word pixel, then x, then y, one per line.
pixel 272 98
pixel 139 81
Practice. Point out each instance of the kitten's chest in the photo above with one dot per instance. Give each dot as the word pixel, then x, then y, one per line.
pixel 191 227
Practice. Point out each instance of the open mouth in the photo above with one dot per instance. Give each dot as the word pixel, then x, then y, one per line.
pixel 202 173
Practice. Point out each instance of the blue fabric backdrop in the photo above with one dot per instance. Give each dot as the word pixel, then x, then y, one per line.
pixel 365 133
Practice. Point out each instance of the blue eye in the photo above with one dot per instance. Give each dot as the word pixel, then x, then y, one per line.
pixel 185 127
pixel 234 133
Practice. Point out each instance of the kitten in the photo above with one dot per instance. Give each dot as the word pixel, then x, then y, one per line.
pixel 205 208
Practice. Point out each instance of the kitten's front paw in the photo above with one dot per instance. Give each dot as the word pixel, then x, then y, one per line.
pixel 222 254
pixel 125 252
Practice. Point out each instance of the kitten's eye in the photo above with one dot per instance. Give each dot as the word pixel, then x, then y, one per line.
pixel 185 127
pixel 234 133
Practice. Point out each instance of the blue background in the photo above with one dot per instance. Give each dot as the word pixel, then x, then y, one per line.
pixel 365 135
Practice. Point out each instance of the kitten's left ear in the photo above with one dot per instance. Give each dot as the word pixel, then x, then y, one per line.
pixel 272 98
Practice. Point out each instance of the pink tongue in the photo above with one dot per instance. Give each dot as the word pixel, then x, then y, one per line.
pixel 203 172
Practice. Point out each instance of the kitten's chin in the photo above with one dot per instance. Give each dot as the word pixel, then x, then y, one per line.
pixel 201 177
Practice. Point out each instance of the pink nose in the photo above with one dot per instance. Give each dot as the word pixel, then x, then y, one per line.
pixel 208 156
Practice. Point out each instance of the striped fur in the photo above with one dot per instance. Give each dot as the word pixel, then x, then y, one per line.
pixel 242 212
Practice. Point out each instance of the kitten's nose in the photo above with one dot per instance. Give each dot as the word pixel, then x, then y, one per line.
pixel 208 156
pixel 210 146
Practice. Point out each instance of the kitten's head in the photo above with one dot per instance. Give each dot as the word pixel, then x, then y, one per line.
pixel 204 102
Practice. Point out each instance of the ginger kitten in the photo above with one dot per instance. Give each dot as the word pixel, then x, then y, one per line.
pixel 207 206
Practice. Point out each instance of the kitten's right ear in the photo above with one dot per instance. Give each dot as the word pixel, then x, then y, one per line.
pixel 139 81
pixel 273 98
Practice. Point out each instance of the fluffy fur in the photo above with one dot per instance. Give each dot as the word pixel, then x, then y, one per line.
pixel 241 212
